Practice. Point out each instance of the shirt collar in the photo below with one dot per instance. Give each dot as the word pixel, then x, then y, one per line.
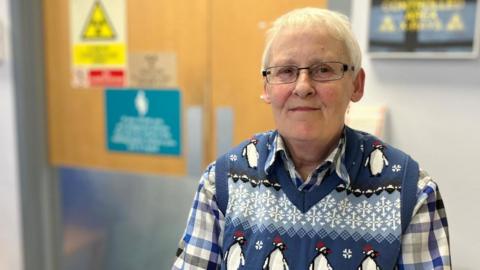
pixel 336 157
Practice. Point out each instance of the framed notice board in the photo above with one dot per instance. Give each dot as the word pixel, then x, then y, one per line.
pixel 423 29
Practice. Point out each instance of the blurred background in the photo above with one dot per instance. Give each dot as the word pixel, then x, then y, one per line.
pixel 110 111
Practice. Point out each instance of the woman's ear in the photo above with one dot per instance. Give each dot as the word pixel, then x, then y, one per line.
pixel 358 86
pixel 265 96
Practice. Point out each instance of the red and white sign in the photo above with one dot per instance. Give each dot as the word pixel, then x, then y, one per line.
pixel 106 77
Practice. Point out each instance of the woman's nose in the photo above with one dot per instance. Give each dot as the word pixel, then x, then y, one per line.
pixel 303 86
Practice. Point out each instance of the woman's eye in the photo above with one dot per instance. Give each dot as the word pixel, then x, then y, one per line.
pixel 286 71
pixel 324 69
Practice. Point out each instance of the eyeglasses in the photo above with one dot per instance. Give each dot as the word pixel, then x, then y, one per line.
pixel 322 72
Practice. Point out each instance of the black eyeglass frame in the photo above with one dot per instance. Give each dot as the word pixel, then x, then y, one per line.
pixel 345 68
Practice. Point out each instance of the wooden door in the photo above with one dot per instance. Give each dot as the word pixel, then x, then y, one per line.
pixel 76 117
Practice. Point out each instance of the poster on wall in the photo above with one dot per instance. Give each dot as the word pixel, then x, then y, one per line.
pixel 143 121
pixel 98 43
pixel 423 29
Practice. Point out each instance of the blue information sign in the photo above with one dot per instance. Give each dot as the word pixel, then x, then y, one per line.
pixel 143 121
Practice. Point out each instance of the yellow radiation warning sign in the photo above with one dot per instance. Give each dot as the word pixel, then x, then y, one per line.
pixel 98 24
pixel 98 42
pixel 101 54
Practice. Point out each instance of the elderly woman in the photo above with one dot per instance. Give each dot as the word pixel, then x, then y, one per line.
pixel 314 193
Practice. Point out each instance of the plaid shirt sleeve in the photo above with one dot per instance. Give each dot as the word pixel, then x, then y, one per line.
pixel 425 243
pixel 200 246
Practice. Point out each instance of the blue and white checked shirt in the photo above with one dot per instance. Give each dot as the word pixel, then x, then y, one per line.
pixel 425 244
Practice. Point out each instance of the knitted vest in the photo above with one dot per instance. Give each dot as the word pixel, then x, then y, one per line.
pixel 270 224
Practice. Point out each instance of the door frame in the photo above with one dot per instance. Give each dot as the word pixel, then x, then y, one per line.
pixel 38 185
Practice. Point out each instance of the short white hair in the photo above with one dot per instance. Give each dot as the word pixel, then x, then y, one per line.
pixel 337 24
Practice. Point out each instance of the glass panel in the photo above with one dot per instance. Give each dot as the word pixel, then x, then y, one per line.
pixel 122 221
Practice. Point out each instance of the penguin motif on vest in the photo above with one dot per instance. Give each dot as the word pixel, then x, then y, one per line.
pixel 320 261
pixel 369 263
pixel 234 257
pixel 376 159
pixel 276 259
pixel 250 152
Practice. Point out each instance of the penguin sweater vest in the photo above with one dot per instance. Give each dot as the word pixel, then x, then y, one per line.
pixel 270 224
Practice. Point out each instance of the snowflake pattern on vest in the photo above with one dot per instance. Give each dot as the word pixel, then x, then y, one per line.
pixel 336 214
pixel 250 152
pixel 320 261
pixel 369 263
pixel 376 159
pixel 276 259
pixel 234 256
